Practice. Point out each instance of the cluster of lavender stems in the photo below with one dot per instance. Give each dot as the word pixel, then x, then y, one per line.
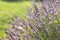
pixel 41 23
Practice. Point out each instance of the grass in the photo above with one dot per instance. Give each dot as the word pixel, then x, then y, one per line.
pixel 8 10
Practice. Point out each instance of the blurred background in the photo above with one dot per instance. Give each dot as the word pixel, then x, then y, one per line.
pixel 9 8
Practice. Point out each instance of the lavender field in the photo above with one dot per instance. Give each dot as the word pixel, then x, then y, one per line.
pixel 41 21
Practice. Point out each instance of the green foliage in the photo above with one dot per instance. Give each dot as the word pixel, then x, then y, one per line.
pixel 8 10
pixel 20 0
pixel 14 0
pixel 11 0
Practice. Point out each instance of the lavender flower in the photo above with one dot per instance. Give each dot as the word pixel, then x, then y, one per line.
pixel 40 23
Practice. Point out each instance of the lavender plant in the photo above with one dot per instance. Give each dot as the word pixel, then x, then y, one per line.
pixel 41 23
